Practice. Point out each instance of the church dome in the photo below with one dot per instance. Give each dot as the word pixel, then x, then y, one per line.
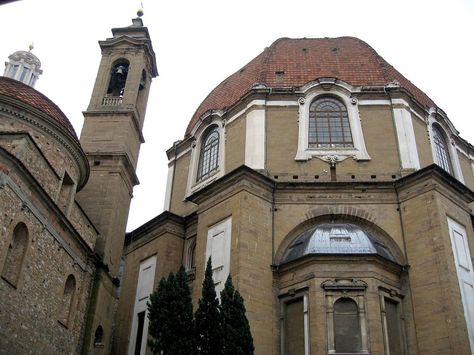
pixel 292 63
pixel 16 90
pixel 336 238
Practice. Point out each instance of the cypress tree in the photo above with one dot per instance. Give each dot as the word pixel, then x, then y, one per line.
pixel 237 339
pixel 208 319
pixel 171 317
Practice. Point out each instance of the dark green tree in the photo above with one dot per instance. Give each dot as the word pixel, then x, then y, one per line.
pixel 171 317
pixel 237 339
pixel 208 318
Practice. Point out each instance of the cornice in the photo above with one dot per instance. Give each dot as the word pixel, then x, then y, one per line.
pixel 128 168
pixel 420 178
pixel 33 117
pixel 242 178
pixel 166 222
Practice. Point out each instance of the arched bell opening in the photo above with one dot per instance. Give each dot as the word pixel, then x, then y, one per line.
pixel 118 78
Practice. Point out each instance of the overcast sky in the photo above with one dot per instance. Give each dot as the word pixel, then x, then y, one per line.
pixel 200 43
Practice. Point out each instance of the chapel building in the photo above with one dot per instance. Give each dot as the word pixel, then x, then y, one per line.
pixel 336 193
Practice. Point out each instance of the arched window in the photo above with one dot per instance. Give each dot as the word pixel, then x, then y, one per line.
pixel 328 124
pixel 68 299
pixel 99 335
pixel 118 78
pixel 441 150
pixel 347 338
pixel 209 154
pixel 191 255
pixel 15 254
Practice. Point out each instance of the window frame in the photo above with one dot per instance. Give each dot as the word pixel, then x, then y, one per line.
pixel 190 257
pixel 68 309
pixel 193 184
pixel 358 151
pixel 342 119
pixel 22 259
pixel 207 164
pixel 289 297
pixel 435 120
pixel 222 252
pixel 395 297
pixel 346 288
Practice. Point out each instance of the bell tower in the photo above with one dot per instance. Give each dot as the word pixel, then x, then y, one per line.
pixel 112 134
pixel 111 138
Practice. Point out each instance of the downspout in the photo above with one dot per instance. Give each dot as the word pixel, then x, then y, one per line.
pixel 174 172
pixel 406 266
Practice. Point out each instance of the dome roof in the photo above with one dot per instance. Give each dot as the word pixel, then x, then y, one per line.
pixel 26 56
pixel 303 60
pixel 26 94
pixel 336 238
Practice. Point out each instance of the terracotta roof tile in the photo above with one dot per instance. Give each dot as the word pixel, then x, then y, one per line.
pixel 304 60
pixel 17 90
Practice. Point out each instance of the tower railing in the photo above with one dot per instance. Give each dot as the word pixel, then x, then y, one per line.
pixel 112 100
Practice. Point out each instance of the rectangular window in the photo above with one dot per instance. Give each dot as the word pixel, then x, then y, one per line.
pixel 294 327
pixel 392 322
pixel 465 273
pixel 394 332
pixel 139 335
pixel 218 248
pixel 139 331
pixel 294 324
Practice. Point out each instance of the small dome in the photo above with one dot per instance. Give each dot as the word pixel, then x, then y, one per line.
pixel 290 62
pixel 23 66
pixel 336 238
pixel 26 56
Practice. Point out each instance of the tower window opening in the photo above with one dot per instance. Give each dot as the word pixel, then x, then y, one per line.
pixel 118 78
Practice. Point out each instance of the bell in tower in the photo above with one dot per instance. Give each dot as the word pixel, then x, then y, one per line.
pixel 118 77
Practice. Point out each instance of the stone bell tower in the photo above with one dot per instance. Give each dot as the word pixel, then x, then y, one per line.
pixel 112 134
pixel 111 138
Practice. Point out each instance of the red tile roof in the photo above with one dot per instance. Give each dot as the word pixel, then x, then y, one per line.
pixel 303 60
pixel 17 90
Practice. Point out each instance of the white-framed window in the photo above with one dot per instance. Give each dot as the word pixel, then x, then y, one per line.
pixel 139 331
pixel 294 323
pixel 218 248
pixel 441 151
pixel 465 273
pixel 443 147
pixel 329 125
pixel 207 154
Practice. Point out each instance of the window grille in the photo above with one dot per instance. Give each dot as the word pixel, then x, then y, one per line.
pixel 441 150
pixel 329 124
pixel 209 155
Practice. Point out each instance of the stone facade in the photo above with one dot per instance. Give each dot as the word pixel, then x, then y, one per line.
pixel 264 182
pixel 64 204
pixel 352 242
